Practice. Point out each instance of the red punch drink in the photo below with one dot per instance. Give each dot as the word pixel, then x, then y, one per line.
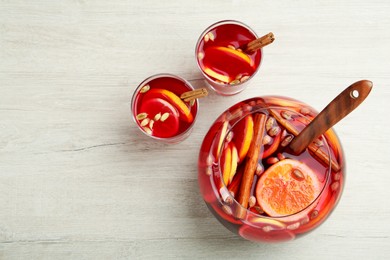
pixel 221 59
pixel 159 111
pixel 253 183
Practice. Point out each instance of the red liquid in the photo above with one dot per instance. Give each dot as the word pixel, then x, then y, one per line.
pixel 158 109
pixel 220 55
pixel 257 225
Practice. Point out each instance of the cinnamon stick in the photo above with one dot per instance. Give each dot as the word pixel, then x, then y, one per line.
pixel 320 154
pixel 259 43
pixel 194 94
pixel 285 123
pixel 251 164
pixel 324 157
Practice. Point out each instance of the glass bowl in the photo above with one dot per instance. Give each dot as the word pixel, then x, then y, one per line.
pixel 259 221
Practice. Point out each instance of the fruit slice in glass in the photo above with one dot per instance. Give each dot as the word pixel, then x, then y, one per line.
pixel 226 68
pixel 158 110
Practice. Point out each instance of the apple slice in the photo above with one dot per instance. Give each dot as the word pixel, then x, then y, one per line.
pixel 243 136
pixel 229 162
pixel 220 136
pixel 162 118
pixel 226 164
pixel 234 162
pixel 216 75
pixel 172 98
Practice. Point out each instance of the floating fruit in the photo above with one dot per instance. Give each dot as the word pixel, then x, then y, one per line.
pixel 263 221
pixel 221 50
pixel 159 118
pixel 225 67
pixel 216 75
pixel 229 161
pixel 243 136
pixel 173 99
pixel 234 162
pixel 287 187
pixel 226 159
pixel 220 136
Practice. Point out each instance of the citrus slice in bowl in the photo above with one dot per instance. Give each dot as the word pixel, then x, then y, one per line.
pixel 287 187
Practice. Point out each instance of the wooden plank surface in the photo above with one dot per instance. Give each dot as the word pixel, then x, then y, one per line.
pixel 77 179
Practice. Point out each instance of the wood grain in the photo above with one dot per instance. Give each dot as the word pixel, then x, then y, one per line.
pixel 79 181
pixel 349 99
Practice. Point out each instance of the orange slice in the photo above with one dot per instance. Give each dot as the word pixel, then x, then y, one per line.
pixel 235 53
pixel 216 75
pixel 219 61
pixel 287 187
pixel 173 99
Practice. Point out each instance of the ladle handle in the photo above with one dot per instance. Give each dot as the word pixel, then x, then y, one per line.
pixel 336 110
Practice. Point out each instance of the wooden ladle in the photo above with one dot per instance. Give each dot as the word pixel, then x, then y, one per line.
pixel 336 110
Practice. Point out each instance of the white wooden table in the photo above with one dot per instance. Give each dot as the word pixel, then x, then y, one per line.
pixel 79 181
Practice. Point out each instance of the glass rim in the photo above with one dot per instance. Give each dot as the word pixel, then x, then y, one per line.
pixel 175 138
pixel 214 25
pixel 247 210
